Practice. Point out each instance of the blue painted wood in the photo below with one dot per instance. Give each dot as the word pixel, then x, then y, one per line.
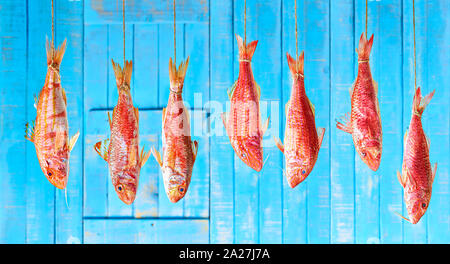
pixel 340 202
pixel 40 192
pixel 222 55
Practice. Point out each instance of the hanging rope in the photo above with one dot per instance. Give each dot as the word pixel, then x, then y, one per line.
pixel 174 34
pixel 414 30
pixel 366 15
pixel 296 32
pixel 123 28
pixel 53 25
pixel 245 22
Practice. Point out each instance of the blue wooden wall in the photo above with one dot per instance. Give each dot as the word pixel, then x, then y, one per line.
pixel 342 201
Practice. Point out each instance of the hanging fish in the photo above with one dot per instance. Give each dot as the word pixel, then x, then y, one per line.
pixel 302 140
pixel 243 122
pixel 50 131
pixel 417 175
pixel 121 152
pixel 179 152
pixel 365 120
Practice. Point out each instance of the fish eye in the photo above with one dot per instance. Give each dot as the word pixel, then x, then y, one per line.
pixel 424 205
pixel 49 174
pixel 244 155
pixel 181 190
pixel 119 188
pixel 363 153
pixel 303 171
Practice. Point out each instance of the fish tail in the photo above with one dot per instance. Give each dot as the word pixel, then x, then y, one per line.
pixel 296 66
pixel 123 76
pixel 246 51
pixel 177 75
pixel 420 103
pixel 55 56
pixel 365 47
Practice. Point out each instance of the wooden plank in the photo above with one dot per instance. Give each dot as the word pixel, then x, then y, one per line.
pixel 414 233
pixel 165 39
pixel 146 67
pixel 388 40
pixel 147 231
pixel 13 88
pixel 96 67
pixel 436 118
pixel 68 220
pixel 317 63
pixel 96 171
pixel 40 192
pixel 267 63
pixel 343 59
pixel 367 182
pixel 294 200
pixel 246 210
pixel 110 12
pixel 222 155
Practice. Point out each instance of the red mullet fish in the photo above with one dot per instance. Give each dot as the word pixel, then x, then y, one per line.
pixel 179 151
pixel 365 119
pixel 243 122
pixel 417 175
pixel 50 132
pixel 302 140
pixel 121 152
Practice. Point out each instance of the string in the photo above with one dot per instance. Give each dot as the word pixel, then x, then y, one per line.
pixel 296 31
pixel 174 34
pixel 53 25
pixel 414 29
pixel 123 28
pixel 366 16
pixel 245 22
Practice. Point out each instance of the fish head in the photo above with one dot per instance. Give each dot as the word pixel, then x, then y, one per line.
pixel 250 152
pixel 56 169
pixel 125 184
pixel 417 205
pixel 370 152
pixel 175 184
pixel 297 169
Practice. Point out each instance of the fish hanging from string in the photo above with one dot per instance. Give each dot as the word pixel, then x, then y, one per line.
pixel 417 175
pixel 50 131
pixel 121 151
pixel 179 151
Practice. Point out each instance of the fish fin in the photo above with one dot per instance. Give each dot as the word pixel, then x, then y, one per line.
pixel 400 179
pixel 73 140
pixel 246 51
pixel 344 124
pixel 404 218
pixel 29 131
pixel 36 101
pixel 286 106
pixel 365 47
pixel 164 114
pixel 411 179
pixel 132 158
pixel 313 108
pixel 64 95
pixel 123 76
pixel 110 120
pixel 279 144
pixel 405 136
pixel 320 133
pixel 230 91
pixel 195 149
pixel 258 90
pixel 377 104
pixel 157 156
pixel 433 172
pixel 65 196
pixel 266 126
pixel 136 112
pixel 102 148
pixel 176 76
pixel 55 56
pixel 428 142
pixel 352 89
pixel 296 66
pixel 224 120
pixel 144 156
pixel 419 103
